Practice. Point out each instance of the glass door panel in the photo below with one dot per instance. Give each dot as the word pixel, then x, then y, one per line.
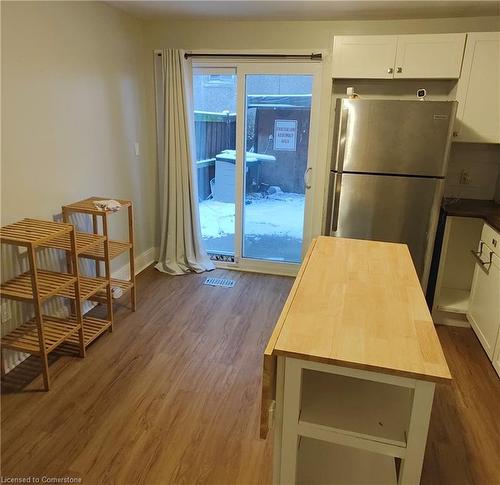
pixel 214 96
pixel 278 112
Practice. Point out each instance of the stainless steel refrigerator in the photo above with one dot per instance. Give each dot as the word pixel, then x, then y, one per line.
pixel 389 160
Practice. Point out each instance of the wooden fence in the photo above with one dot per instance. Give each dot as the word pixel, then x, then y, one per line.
pixel 214 132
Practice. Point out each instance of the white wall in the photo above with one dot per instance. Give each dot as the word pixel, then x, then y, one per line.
pixel 311 36
pixel 481 162
pixel 73 104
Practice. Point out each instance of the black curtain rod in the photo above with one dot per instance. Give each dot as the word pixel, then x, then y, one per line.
pixel 311 57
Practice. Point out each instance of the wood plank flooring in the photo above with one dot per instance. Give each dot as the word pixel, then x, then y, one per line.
pixel 463 446
pixel 172 396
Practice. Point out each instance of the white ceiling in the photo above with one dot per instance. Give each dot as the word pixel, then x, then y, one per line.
pixel 307 9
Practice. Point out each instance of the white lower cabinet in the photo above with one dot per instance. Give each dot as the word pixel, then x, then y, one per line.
pixel 456 270
pixel 484 305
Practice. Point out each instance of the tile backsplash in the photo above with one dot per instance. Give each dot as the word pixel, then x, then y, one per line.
pixel 473 171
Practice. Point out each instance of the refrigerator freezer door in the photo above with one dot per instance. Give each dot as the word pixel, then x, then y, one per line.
pixel 393 137
pixel 390 209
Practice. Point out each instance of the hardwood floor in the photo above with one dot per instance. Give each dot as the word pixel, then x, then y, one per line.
pixel 463 446
pixel 172 396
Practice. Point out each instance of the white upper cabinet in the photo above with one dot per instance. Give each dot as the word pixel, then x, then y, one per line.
pixel 364 56
pixel 478 90
pixel 436 56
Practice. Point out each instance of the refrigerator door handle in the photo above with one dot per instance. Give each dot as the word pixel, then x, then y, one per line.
pixel 341 139
pixel 336 202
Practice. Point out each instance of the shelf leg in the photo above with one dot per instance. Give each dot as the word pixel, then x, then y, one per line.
pixel 107 268
pixel 291 412
pixel 69 261
pixel 78 301
pixel 38 317
pixel 133 294
pixel 411 465
pixel 2 364
pixel 95 230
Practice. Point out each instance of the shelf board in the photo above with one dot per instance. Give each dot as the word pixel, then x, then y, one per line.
pixel 92 328
pixel 453 300
pixel 125 285
pixel 33 232
pixel 319 462
pixel 87 206
pixel 88 288
pixel 115 249
pixel 25 337
pixel 84 242
pixel 50 283
pixel 356 407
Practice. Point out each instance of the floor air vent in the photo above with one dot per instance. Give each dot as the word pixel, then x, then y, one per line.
pixel 219 282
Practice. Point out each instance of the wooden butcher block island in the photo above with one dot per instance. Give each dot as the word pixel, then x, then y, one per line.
pixel 350 369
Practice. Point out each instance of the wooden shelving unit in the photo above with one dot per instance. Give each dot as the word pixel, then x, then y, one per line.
pixel 43 333
pixel 107 249
pixel 89 286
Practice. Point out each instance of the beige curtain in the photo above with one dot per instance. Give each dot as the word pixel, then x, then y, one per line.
pixel 181 249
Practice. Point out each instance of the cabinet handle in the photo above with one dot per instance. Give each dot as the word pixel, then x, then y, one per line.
pixel 390 70
pixel 485 265
pixel 399 70
pixel 455 134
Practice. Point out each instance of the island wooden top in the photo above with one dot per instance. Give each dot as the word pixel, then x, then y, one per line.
pixel 359 304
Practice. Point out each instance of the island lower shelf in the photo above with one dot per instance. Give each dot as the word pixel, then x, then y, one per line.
pixel 362 409
pixel 319 463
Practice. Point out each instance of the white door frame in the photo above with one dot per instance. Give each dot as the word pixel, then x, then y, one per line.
pixel 276 67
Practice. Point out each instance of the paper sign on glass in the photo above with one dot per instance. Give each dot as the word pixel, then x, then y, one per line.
pixel 285 135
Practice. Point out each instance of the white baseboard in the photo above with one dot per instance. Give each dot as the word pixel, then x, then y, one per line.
pixel 450 319
pixel 142 261
pixel 261 269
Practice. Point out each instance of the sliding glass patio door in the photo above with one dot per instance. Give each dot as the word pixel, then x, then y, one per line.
pixel 255 144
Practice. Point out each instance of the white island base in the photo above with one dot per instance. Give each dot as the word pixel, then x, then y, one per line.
pixel 337 425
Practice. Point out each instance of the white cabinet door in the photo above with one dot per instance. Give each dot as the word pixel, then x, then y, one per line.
pixel 478 91
pixel 364 56
pixel 433 56
pixel 484 305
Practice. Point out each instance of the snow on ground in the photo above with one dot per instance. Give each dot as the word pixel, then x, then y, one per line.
pixel 280 214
